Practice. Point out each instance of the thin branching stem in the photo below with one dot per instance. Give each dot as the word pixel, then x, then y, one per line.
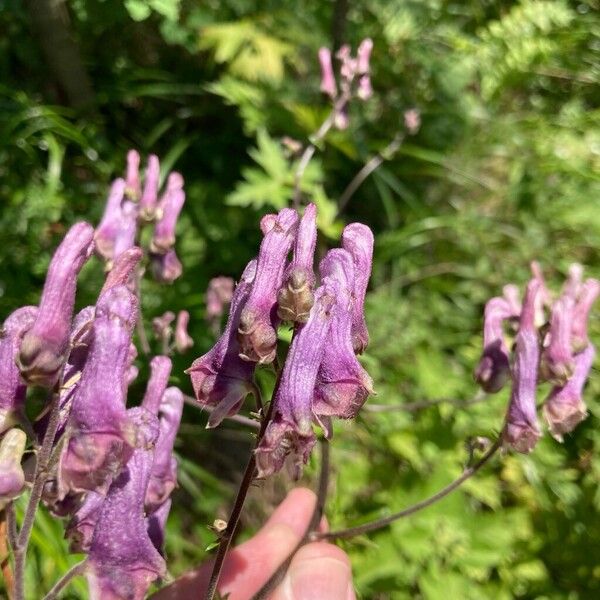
pixel 62 583
pixel 411 510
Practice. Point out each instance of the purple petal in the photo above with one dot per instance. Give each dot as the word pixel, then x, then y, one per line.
pixel 328 85
pixel 156 523
pixel 149 200
pixel 128 226
pixel 170 207
pixel 132 178
pixel 123 269
pixel 363 55
pixel 106 232
pixel 166 268
pixel 557 358
pixel 80 529
pixel 183 341
pixel 160 369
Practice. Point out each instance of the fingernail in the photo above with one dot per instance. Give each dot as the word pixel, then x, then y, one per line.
pixel 319 578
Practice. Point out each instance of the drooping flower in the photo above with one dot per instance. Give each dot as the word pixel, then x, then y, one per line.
pixel 521 430
pixel 564 408
pixel 358 240
pixel 183 341
pixel 590 290
pixel 108 228
pixel 328 85
pixel 12 478
pixel 257 324
pixel 149 199
pixel 12 386
pixel 160 369
pixel 290 430
pixel 132 177
pixel 166 268
pixel 99 436
pixel 45 346
pixel 163 478
pixel 221 378
pixel 170 206
pixel 557 358
pixel 296 297
pixel 342 385
pixel 123 561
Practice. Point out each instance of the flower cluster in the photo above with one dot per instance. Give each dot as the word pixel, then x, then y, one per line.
pixel 354 78
pixel 554 350
pixel 112 468
pixel 321 377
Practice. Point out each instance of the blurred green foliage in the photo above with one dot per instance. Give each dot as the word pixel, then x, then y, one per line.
pixel 505 169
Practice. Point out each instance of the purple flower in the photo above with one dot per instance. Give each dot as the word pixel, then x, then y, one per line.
pixel 363 55
pixel 218 297
pixel 45 346
pixel 342 385
pixel 163 478
pixel 170 206
pixel 161 326
pixel 183 341
pixel 12 478
pixel 99 435
pixel 564 408
pixel 573 283
pixel 123 561
pixel 123 269
pixel 521 431
pixel 149 200
pixel 493 370
pixel 557 358
pixel 365 90
pixel 296 297
pixel 166 268
pixel 160 369
pixel 544 297
pixel 156 523
pixel 290 430
pixel 328 85
pixel 106 232
pixel 12 387
pixel 132 178
pixel 412 120
pixel 220 378
pixel 358 240
pixel 127 230
pixel 257 324
pixel 348 65
pixel 80 528
pixel 590 290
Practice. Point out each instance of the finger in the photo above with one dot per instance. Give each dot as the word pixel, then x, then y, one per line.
pixel 250 565
pixel 319 570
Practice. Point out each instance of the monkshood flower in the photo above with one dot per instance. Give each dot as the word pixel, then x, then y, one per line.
pixel 342 385
pixel 183 341
pixel 80 528
pixel 166 268
pixel 296 297
pixel 557 358
pixel 170 206
pixel 493 370
pixel 12 478
pixel 290 430
pixel 590 290
pixel 218 298
pixel 122 560
pixel 521 431
pixel 12 386
pixel 128 227
pixel 163 477
pixel 132 177
pixel 99 436
pixel 328 85
pixel 358 240
pixel 123 269
pixel 149 199
pixel 257 324
pixel 156 523
pixel 106 232
pixel 564 408
pixel 160 369
pixel 45 346
pixel 221 378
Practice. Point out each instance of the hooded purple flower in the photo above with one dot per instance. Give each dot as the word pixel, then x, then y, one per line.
pixel 296 297
pixel 160 369
pixel 12 387
pixel 123 561
pixel 99 435
pixel 257 324
pixel 358 240
pixel 163 478
pixel 493 370
pixel 564 408
pixel 108 228
pixel 183 341
pixel 342 384
pixel 132 178
pixel 557 358
pixel 125 237
pixel 328 85
pixel 149 200
pixel 221 378
pixel 521 431
pixel 12 478
pixel 166 268
pixel 290 430
pixel 590 290
pixel 170 206
pixel 123 269
pixel 80 528
pixel 45 346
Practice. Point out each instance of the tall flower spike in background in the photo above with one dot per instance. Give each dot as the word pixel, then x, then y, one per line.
pixel 557 358
pixel 149 199
pixel 45 346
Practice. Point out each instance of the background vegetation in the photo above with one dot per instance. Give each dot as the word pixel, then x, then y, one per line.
pixel 503 170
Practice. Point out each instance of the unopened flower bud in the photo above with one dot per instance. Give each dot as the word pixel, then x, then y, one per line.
pixel 557 358
pixel 108 228
pixel 183 341
pixel 170 206
pixel 590 290
pixel 12 478
pixel 328 85
pixel 45 346
pixel 132 178
pixel 149 200
pixel 564 408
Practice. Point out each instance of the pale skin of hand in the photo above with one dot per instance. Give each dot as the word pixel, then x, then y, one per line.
pixel 318 571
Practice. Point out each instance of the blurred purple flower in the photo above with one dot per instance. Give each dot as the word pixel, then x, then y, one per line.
pixel 218 297
pixel 160 370
pixel 166 268
pixel 80 528
pixel 170 206
pixel 557 358
pixel 108 228
pixel 149 199
pixel 328 85
pixel 183 341
pixel 132 178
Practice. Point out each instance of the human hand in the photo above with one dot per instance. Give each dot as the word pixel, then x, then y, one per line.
pixel 318 571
